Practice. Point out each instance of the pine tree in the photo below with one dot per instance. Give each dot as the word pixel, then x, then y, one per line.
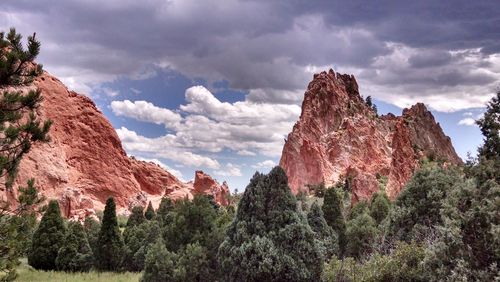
pixel 19 124
pixel 361 232
pixel 48 238
pixel 490 128
pixel 326 238
pixel 16 229
pixel 137 240
pixel 160 264
pixel 416 211
pixel 110 243
pixel 358 209
pixel 19 128
pixel 192 264
pixel 136 217
pixel 332 210
pixel 166 206
pixel 150 212
pixel 75 255
pixel 92 228
pixel 269 240
pixel 368 101
pixel 191 221
pixel 379 206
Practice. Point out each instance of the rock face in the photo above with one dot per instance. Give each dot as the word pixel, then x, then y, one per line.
pixel 338 136
pixel 84 163
pixel 204 184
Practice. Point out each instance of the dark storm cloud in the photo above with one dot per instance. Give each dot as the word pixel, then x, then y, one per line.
pixel 269 47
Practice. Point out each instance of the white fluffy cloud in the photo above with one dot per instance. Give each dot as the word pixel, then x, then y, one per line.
pixel 145 111
pixel 229 170
pixel 264 164
pixel 209 125
pixel 467 121
pixel 110 92
pixel 164 147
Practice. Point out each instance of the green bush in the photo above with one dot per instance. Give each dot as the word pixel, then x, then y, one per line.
pixel 48 239
pixel 92 228
pixel 136 217
pixel 332 210
pixel 109 244
pixel 416 211
pixel 361 233
pixel 405 263
pixel 75 255
pixel 269 240
pixel 380 206
pixel 159 264
pixel 150 212
pixel 137 240
pixel 326 238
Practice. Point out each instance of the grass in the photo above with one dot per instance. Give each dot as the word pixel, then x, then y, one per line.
pixel 27 273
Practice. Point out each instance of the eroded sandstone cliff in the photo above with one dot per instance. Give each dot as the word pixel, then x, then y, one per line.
pixel 339 136
pixel 84 163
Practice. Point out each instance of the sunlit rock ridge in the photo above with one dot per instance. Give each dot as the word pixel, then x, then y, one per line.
pixel 339 136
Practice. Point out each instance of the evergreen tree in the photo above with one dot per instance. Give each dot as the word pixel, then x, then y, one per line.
pixel 368 101
pixel 92 228
pixel 468 246
pixel 16 229
pixel 332 210
pixel 326 238
pixel 269 240
pixel 359 208
pixel 490 128
pixel 361 231
pixel 19 128
pixel 379 206
pixel 19 125
pixel 166 206
pixel 150 212
pixel 136 217
pixel 137 240
pixel 193 264
pixel 160 264
pixel 47 239
pixel 75 255
pixel 416 212
pixel 110 243
pixel 191 221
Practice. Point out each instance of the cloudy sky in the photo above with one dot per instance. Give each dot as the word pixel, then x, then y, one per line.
pixel 217 85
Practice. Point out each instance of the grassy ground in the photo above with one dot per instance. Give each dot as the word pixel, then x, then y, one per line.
pixel 27 273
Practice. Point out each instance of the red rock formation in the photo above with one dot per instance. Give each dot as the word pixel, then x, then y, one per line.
pixel 338 135
pixel 84 163
pixel 204 184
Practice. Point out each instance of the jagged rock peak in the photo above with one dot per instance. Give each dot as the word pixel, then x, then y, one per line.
pixel 205 184
pixel 338 136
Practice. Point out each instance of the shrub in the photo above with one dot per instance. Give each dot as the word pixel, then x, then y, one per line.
pixel 75 255
pixel 47 239
pixel 109 244
pixel 269 240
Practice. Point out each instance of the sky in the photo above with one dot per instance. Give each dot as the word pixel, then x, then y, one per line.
pixel 217 85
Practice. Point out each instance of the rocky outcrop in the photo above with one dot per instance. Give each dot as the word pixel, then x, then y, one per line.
pixel 205 184
pixel 338 136
pixel 84 163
